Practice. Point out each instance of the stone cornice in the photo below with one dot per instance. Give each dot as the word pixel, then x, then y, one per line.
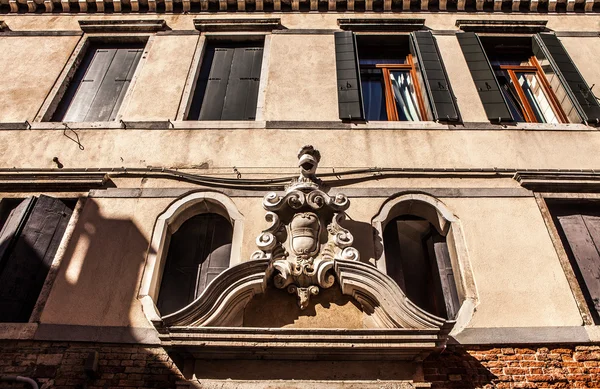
pixel 178 6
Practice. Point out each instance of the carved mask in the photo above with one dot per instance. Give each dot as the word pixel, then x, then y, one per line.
pixel 304 230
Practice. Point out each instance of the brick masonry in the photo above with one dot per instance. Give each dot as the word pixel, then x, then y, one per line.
pixel 515 367
pixel 61 365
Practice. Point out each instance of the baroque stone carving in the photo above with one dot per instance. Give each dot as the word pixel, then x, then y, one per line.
pixel 305 236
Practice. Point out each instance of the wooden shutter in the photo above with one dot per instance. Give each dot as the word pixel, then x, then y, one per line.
pixel 487 86
pixel 242 89
pixel 198 252
pixel 583 236
pixel 348 77
pixel 216 82
pixel 393 262
pixel 437 86
pixel 549 46
pixel 27 266
pixel 443 265
pixel 103 83
pixel 12 228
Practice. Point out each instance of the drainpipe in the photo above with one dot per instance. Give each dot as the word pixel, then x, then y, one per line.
pixel 27 380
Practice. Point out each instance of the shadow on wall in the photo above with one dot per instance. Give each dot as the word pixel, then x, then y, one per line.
pixel 366 239
pixel 456 368
pixel 99 277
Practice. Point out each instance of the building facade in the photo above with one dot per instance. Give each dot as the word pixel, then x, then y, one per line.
pixel 299 194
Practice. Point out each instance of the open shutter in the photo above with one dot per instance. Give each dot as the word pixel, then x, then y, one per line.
pixel 242 89
pixel 438 89
pixel 583 235
pixel 213 99
pixel 446 274
pixel 28 264
pixel 487 86
pixel 548 46
pixel 348 77
pixel 217 251
pixel 88 85
pixel 12 228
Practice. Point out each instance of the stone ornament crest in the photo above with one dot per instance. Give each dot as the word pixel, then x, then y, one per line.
pixel 305 236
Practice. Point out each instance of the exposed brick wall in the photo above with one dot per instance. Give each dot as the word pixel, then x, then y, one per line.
pixel 61 365
pixel 515 367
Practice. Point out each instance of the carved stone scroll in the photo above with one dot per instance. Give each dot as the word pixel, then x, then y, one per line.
pixel 305 236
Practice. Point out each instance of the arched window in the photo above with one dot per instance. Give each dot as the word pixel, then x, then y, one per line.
pixel 425 254
pixel 194 240
pixel 198 252
pixel 418 260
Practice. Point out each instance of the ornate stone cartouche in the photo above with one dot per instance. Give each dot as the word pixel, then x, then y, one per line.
pixel 305 237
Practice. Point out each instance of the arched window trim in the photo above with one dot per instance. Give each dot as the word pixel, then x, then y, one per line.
pixel 448 225
pixel 168 223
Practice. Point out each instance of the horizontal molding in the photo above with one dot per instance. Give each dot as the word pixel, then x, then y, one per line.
pixel 559 181
pixel 122 25
pixel 350 192
pixel 521 335
pixel 502 26
pixel 8 33
pixel 356 24
pixel 52 181
pixel 102 334
pixel 229 25
pixel 305 31
pixel 170 6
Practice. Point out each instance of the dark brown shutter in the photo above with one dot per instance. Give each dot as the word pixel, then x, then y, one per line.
pixel 216 82
pixel 242 88
pixel 27 266
pixel 198 252
pixel 446 275
pixel 438 88
pixel 583 236
pixel 12 228
pixel 487 86
pixel 548 46
pixel 348 77
pixel 393 258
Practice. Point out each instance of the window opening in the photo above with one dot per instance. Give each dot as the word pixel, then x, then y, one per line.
pixel 227 86
pixel 417 259
pixel 100 83
pixel 198 252
pixel 389 79
pixel 523 83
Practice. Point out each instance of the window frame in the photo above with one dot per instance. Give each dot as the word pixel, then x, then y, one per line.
pixel 61 86
pixel 167 223
pixel 204 39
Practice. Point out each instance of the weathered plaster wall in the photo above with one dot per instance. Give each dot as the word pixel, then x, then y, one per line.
pixel 24 85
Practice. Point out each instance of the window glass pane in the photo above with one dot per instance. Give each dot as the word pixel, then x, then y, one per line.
pixel 536 97
pixel 373 94
pixel 511 96
pixel 559 91
pixel 405 96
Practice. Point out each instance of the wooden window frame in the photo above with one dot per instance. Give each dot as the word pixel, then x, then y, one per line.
pixel 536 69
pixel 390 104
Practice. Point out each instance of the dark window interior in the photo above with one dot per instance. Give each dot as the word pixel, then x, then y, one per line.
pixel 31 232
pixel 97 90
pixel 198 252
pixel 578 225
pixel 227 86
pixel 413 249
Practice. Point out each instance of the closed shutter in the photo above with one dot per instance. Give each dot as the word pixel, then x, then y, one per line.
pixel 549 46
pixel 25 271
pixel 217 251
pixel 437 86
pixel 348 77
pixel 242 89
pixel 12 228
pixel 446 275
pixel 218 60
pixel 104 78
pixel 487 86
pixel 583 236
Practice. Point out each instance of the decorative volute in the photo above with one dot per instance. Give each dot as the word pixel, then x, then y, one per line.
pixel 305 237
